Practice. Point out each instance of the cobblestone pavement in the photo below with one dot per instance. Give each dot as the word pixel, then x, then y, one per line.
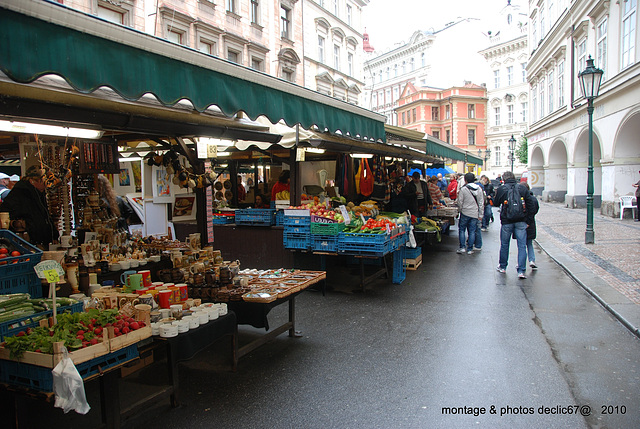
pixel 614 257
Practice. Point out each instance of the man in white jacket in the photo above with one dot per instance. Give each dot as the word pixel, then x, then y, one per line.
pixel 470 203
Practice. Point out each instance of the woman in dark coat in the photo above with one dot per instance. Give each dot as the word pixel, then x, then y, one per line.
pixel 531 229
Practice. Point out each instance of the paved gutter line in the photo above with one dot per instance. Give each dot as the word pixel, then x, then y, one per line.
pixel 634 330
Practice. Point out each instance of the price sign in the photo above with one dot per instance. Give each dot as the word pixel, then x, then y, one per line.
pixel 49 270
pixel 345 214
pixel 52 276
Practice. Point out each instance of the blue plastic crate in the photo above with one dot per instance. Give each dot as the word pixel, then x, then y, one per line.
pixel 40 378
pixel 279 217
pixel 378 262
pixel 364 244
pixel 297 220
pixel 412 253
pixel 324 243
pixel 300 229
pixel 21 283
pixel 399 270
pixel 12 327
pixel 223 219
pixel 22 264
pixel 294 240
pixel 256 217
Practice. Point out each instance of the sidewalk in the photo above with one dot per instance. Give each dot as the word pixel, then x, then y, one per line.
pixel 609 269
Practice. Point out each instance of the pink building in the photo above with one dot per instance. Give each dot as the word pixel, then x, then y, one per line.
pixel 457 115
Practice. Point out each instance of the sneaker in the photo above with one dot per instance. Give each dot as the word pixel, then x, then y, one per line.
pixel 461 251
pixel 484 229
pixel 470 252
pixel 533 265
pixel 477 249
pixel 501 270
pixel 522 276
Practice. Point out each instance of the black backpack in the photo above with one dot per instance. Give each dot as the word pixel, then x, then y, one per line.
pixel 513 208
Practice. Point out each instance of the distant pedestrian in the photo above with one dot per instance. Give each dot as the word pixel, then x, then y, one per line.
pixel 514 199
pixel 531 229
pixel 470 202
pixel 13 179
pixel 488 202
pixel 452 189
pixel 419 197
pixel 4 188
pixel 442 184
pixel 436 195
pixel 637 186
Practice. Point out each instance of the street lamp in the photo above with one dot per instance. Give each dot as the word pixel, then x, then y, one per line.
pixel 590 79
pixel 512 149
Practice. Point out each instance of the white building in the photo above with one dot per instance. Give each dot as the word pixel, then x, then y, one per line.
pixel 562 35
pixel 333 52
pixel 507 88
pixel 438 59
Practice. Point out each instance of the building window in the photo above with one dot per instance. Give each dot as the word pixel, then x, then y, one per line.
pixel 471 136
pixel 471 111
pixel 233 56
pixel 447 112
pixel 448 135
pixel 561 84
pixel 349 13
pixel 350 63
pixel 435 133
pixel 255 12
pixel 414 115
pixel 396 93
pixel 404 67
pixel 552 13
pixel 601 47
pixel 381 99
pixel 550 91
pixel 231 6
pixel 403 118
pixel 380 77
pixel 524 72
pixel 424 60
pixel 434 113
pixel 257 64
pixel 525 107
pixel 395 70
pixel 388 73
pixel 336 57
pixel 321 52
pixel 206 47
pixel 628 32
pixel 335 7
pixel 510 114
pixel 387 96
pixel 288 75
pixel 285 22
pixel 111 15
pixel 496 116
pixel 534 96
pixel 175 37
pixel 412 64
pixel 496 79
pixel 542 32
pixel 582 62
pixel 534 32
pixel 510 75
pixel 496 150
pixel 374 100
pixel 541 98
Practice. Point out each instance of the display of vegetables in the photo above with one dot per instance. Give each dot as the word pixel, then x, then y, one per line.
pixel 379 225
pixel 76 331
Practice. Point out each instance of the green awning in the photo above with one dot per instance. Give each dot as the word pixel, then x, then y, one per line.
pixel 442 149
pixel 32 47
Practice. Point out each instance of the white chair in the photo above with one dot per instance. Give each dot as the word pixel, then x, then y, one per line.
pixel 626 202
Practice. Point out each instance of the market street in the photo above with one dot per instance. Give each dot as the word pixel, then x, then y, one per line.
pixel 455 333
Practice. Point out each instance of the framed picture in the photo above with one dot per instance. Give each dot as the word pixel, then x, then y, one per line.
pixel 184 207
pixel 123 182
pixel 161 185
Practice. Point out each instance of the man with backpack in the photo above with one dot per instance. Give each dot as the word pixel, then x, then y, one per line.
pixel 513 199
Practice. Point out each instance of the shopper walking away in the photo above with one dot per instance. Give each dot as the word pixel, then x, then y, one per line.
pixel 488 202
pixel 477 245
pixel 4 186
pixel 637 186
pixel 514 199
pixel 470 202
pixel 531 229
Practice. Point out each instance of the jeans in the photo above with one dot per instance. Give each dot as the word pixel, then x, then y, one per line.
pixel 488 212
pixel 506 231
pixel 470 224
pixel 530 254
pixel 478 242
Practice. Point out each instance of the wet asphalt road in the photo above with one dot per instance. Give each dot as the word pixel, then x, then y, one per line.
pixel 454 334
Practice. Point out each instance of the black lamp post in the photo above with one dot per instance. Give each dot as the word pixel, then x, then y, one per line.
pixel 590 79
pixel 512 150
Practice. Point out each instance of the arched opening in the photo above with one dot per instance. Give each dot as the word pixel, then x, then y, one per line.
pixel 577 179
pixel 624 172
pixel 555 185
pixel 536 171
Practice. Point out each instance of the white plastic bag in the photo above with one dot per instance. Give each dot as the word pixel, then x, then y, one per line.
pixel 412 239
pixel 69 387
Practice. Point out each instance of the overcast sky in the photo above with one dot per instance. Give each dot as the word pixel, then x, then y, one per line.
pixel 392 21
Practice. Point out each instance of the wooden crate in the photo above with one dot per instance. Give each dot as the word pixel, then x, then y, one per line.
pixel 413 264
